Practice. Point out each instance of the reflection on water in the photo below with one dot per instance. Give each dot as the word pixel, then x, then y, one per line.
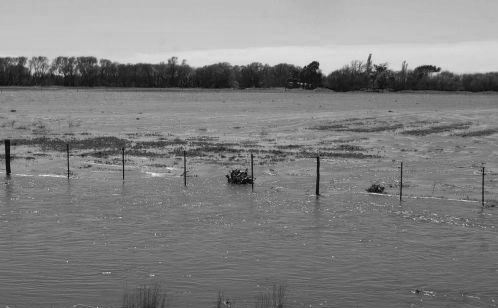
pixel 83 241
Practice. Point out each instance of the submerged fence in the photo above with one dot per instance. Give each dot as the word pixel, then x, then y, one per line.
pixel 375 188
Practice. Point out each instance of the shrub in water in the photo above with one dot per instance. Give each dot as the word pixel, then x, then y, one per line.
pixel 145 297
pixel 376 188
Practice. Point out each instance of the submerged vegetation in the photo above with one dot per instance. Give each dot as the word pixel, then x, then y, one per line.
pixel 357 76
pixel 376 188
pixel 57 144
pixel 274 298
pixel 155 297
pixel 201 147
pixel 479 133
pixel 145 297
pixel 436 129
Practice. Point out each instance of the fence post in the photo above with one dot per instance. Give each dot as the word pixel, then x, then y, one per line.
pixel 67 152
pixel 401 183
pixel 122 155
pixel 482 199
pixel 185 168
pixel 7 156
pixel 252 172
pixel 317 192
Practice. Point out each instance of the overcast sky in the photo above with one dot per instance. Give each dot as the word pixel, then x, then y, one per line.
pixel 460 36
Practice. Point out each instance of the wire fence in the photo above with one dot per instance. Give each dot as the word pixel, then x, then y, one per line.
pixel 464 182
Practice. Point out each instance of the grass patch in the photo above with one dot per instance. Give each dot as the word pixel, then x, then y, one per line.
pixel 209 148
pixel 366 125
pixel 153 134
pixel 350 148
pixel 479 133
pixel 249 143
pixel 374 129
pixel 436 129
pixel 203 138
pixel 349 155
pixel 289 146
pixel 329 127
pixel 145 153
pixel 208 143
pixel 158 143
pixel 56 144
pixel 157 165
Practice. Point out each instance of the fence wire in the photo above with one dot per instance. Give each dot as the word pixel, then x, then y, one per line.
pixel 421 179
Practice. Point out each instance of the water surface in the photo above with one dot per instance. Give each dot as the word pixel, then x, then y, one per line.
pixel 84 240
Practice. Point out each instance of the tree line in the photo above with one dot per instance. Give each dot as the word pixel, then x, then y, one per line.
pixel 356 76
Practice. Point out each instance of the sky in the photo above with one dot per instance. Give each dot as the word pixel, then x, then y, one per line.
pixel 458 35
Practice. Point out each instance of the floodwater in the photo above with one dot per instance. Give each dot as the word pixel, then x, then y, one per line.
pixel 87 239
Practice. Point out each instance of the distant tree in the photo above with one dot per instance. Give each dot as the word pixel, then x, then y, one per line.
pixel 358 75
pixel 368 67
pixel 383 77
pixel 480 82
pixel 185 75
pixel 447 81
pixel 87 70
pixel 311 75
pixel 107 73
pixel 144 75
pixel 65 68
pixel 426 70
pixel 401 77
pixel 126 75
pixel 420 77
pixel 251 76
pixel 21 72
pixel 172 72
pixel 283 73
pixel 219 75
pixel 351 77
pixel 39 67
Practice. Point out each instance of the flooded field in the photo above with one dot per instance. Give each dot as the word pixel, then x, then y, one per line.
pixel 85 240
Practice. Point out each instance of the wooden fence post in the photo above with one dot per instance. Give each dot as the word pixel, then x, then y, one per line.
pixel 401 183
pixel 7 156
pixel 317 191
pixel 252 172
pixel 67 152
pixel 185 168
pixel 482 189
pixel 123 158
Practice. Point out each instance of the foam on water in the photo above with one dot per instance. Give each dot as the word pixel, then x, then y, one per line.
pixel 52 175
pixel 156 174
pixel 41 175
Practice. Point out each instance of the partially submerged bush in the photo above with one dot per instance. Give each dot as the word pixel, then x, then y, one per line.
pixel 239 177
pixel 376 188
pixel 145 297
pixel 222 302
pixel 274 298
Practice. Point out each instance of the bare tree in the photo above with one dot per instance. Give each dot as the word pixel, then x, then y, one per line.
pixel 39 67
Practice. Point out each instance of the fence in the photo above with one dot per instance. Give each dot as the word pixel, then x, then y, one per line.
pixel 375 188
